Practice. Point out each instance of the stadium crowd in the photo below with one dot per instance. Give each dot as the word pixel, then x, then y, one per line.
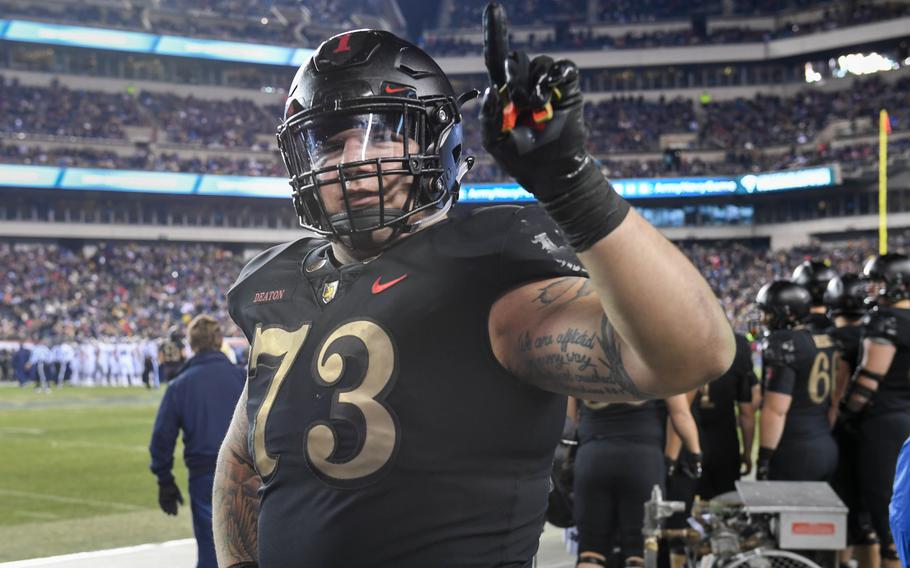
pixel 225 20
pixel 619 124
pixel 132 289
pixel 110 290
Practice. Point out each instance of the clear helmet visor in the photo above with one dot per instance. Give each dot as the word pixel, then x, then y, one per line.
pixel 335 139
pixel 356 171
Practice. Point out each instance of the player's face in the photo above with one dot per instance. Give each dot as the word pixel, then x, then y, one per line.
pixel 356 148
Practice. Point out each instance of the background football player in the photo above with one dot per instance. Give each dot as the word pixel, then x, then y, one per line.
pixel 845 298
pixel 619 461
pixel 814 276
pixel 725 411
pixel 795 434
pixel 386 351
pixel 878 399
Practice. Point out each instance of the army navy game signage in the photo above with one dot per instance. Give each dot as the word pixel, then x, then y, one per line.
pixel 276 187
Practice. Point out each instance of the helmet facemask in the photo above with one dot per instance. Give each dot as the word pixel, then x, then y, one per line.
pixel 366 170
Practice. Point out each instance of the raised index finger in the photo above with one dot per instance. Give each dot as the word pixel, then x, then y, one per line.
pixel 495 42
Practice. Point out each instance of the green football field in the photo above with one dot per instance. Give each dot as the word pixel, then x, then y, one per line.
pixel 74 472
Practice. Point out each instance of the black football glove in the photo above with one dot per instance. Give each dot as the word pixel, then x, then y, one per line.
pixel 533 125
pixel 168 497
pixel 745 465
pixel 691 465
pixel 763 464
pixel 847 424
pixel 670 463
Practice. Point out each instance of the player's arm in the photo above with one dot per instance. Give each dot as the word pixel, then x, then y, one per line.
pixel 235 497
pixel 562 336
pixel 660 330
pixel 773 418
pixel 877 357
pixel 746 421
pixel 841 380
pixel 779 379
pixel 572 409
pixel 748 400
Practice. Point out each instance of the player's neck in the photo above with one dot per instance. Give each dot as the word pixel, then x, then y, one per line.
pixel 843 321
pixel 818 310
pixel 344 255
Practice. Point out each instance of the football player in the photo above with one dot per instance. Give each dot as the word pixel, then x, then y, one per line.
pixel 716 406
pixel 877 402
pixel 408 370
pixel 171 355
pixel 845 298
pixel 797 365
pixel 684 466
pixel 814 276
pixel 89 361
pixel 619 461
pixel 38 364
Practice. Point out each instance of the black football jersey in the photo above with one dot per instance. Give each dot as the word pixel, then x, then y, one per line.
pixel 891 325
pixel 171 351
pixel 715 403
pixel 801 364
pixel 847 341
pixel 644 421
pixel 818 323
pixel 384 428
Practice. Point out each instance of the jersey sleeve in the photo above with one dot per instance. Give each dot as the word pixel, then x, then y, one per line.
pixel 535 249
pixel 881 327
pixel 778 356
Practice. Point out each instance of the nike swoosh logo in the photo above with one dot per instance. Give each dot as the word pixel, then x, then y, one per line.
pixel 391 91
pixel 379 286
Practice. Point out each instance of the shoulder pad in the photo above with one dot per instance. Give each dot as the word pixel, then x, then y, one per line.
pixel 779 348
pixel 270 254
pixel 881 324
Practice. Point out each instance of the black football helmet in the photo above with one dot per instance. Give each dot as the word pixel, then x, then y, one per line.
pixel 786 303
pixel 847 295
pixel 367 111
pixel 892 271
pixel 174 334
pixel 814 277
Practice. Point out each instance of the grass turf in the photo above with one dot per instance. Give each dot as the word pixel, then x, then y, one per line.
pixel 74 472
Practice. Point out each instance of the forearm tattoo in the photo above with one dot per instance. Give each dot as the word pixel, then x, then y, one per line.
pixel 558 289
pixel 236 498
pixel 578 361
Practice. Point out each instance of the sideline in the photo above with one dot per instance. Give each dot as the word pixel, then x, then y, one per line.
pixel 50 560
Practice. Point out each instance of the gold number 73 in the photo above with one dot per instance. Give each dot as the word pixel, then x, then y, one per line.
pixel 380 433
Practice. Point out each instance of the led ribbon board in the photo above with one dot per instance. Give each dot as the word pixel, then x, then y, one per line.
pixel 137 42
pixel 275 187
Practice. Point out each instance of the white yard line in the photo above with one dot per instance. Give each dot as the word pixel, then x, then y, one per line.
pixel 74 500
pixel 50 560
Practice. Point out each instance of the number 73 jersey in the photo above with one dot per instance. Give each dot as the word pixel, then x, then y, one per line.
pixel 384 429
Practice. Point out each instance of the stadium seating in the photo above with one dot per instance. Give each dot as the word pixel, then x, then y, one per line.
pixel 745 129
pixel 142 289
pixel 117 290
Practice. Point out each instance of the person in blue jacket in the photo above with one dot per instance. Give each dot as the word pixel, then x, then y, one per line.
pixel 200 400
pixel 20 364
pixel 900 505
